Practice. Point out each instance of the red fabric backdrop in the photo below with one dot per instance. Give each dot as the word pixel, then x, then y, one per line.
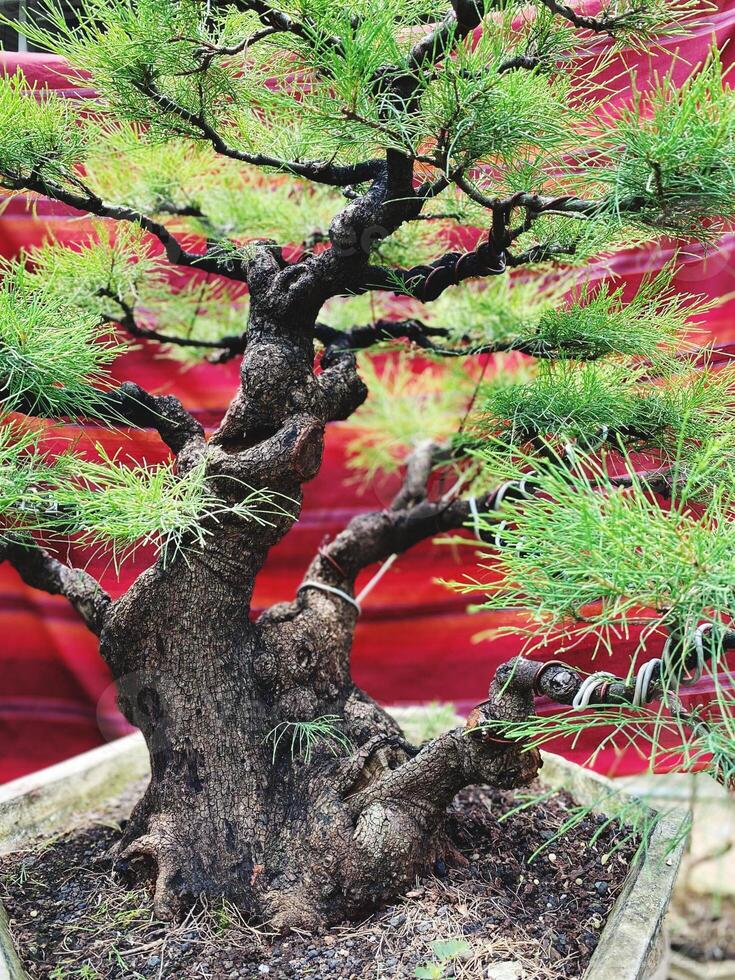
pixel 414 642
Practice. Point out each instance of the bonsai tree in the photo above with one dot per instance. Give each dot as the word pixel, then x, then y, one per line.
pixel 373 173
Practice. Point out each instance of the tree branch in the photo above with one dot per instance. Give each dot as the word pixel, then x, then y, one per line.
pixel 401 88
pixel 373 537
pixel 427 282
pixel 538 204
pixel 392 198
pixel 660 481
pixel 419 465
pixel 342 388
pixel 492 257
pixel 179 430
pixel 486 751
pixel 317 171
pixel 419 333
pixel 130 403
pixel 411 518
pixel 230 346
pixel 362 337
pixel 277 21
pixel 293 451
pixel 607 24
pixel 180 211
pixel 525 61
pixel 465 16
pixel 561 683
pixel 370 538
pixel 208 52
pixel 41 571
pixel 92 204
pixel 432 778
pixel 337 342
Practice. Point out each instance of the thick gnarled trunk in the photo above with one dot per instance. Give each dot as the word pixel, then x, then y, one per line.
pixel 298 839
pixel 300 842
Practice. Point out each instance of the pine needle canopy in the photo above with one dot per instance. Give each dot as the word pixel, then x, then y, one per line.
pixel 179 80
pixel 675 147
pixel 53 356
pixel 432 174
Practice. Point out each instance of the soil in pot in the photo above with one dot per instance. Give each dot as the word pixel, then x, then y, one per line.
pixel 497 917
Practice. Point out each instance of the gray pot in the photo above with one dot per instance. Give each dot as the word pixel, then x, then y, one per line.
pixel 631 945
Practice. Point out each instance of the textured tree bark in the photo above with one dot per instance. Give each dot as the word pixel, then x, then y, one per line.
pixel 300 839
pixel 300 842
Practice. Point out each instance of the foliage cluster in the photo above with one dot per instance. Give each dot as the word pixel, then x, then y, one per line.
pixel 209 119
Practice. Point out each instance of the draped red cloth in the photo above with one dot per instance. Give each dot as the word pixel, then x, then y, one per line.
pixel 415 642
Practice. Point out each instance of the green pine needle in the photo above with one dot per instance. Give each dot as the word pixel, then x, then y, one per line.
pixel 114 506
pixel 584 558
pixel 675 148
pixel 568 401
pixel 601 321
pixel 305 737
pixel 53 355
pixel 39 133
pixel 405 407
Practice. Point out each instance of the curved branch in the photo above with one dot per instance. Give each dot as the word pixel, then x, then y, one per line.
pixel 419 465
pixel 342 388
pixel 427 282
pixel 277 21
pixel 539 253
pixel 208 52
pixel 373 537
pixel 465 16
pixel 419 333
pixel 294 450
pixel 442 767
pixel 228 346
pixel 180 211
pixel 401 88
pixel 370 538
pixel 537 204
pixel 482 752
pixel 93 204
pixel 181 432
pixel 411 518
pixel 561 683
pixel 41 571
pixel 521 680
pixel 130 403
pixel 445 765
pixel 524 61
pixel 606 24
pixel 364 336
pixel 491 258
pixel 392 198
pixel 317 171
